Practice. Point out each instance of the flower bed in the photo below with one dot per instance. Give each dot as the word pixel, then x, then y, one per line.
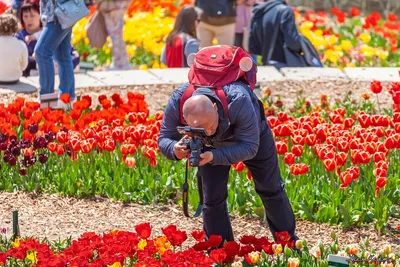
pixel 139 248
pixel 342 39
pixel 337 164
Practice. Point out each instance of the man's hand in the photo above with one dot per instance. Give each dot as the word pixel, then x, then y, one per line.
pixel 206 157
pixel 180 150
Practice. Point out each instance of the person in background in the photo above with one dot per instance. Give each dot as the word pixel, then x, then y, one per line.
pixel 113 12
pixel 30 20
pixel 181 42
pixel 243 17
pixel 263 22
pixel 54 42
pixel 13 52
pixel 218 21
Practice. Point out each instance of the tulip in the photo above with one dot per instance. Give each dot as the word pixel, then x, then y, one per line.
pixel 289 158
pixel 329 164
pixel 293 262
pixel 297 150
pixel 281 147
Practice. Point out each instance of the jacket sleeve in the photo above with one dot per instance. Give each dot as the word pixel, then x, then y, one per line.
pixel 289 30
pixel 169 136
pixel 247 135
pixel 254 46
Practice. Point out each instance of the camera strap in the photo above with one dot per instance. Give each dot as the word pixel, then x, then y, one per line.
pixel 185 193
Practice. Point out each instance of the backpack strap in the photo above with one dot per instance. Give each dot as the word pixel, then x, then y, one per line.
pixel 222 97
pixel 186 94
pixel 219 92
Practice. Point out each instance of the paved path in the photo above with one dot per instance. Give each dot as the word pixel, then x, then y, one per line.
pixel 179 75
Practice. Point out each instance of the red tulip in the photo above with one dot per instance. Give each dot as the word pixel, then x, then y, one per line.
pixel 376 87
pixel 283 130
pixel 379 156
pixel 218 255
pixel 198 235
pixel 130 162
pixel 273 121
pixel 62 137
pixel 143 230
pixel 297 150
pixel 281 147
pixel 289 158
pixel 343 146
pixel 348 123
pixel 378 172
pixel 360 157
pixel 346 179
pixel 299 169
pixel 364 120
pixel 298 140
pixel 383 164
pixel 239 166
pixel 335 118
pixel 311 139
pixel 329 164
pixel 354 171
pixel 341 158
pixel 381 182
pixel 396 117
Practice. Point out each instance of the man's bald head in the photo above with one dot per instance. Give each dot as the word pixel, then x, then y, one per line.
pixel 198 106
pixel 200 111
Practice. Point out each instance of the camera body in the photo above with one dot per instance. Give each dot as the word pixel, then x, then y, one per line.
pixel 195 143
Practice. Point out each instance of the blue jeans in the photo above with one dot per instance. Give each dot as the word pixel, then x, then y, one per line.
pixel 55 42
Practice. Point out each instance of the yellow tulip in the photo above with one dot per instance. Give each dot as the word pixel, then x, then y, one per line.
pixel 142 244
pixel 365 37
pixel 346 45
pixel 31 255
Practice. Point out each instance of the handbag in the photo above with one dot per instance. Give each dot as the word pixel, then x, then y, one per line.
pixel 96 30
pixel 70 12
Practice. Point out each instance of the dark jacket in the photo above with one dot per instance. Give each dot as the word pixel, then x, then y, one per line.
pixel 263 22
pixel 217 12
pixel 235 140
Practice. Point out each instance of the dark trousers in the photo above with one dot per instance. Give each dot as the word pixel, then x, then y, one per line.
pixel 268 185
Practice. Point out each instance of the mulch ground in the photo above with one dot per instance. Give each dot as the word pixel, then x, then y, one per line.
pixel 55 217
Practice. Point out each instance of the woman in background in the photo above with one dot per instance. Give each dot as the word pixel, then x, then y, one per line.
pixel 182 41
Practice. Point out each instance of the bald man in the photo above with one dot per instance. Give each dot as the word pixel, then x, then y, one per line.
pixel 243 136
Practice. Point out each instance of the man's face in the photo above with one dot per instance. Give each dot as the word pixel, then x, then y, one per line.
pixel 207 121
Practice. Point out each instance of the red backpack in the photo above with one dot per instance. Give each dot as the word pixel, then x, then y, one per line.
pixel 217 66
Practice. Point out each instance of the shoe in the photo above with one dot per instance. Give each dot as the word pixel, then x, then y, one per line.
pixel 48 100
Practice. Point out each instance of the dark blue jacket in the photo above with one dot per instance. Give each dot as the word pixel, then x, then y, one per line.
pixel 263 22
pixel 236 139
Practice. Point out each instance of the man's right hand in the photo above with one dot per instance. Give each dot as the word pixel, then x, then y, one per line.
pixel 180 150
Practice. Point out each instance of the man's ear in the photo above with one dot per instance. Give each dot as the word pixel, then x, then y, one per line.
pixel 215 106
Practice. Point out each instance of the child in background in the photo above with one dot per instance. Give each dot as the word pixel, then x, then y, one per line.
pixel 30 20
pixel 13 52
pixel 181 42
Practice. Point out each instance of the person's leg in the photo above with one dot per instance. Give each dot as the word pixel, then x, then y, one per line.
pixel 65 67
pixel 269 186
pixel 49 41
pixel 205 34
pixel 115 23
pixel 225 34
pixel 215 192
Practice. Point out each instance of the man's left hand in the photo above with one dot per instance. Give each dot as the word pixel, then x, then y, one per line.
pixel 206 157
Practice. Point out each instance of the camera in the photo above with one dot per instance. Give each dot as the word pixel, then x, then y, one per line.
pixel 195 143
